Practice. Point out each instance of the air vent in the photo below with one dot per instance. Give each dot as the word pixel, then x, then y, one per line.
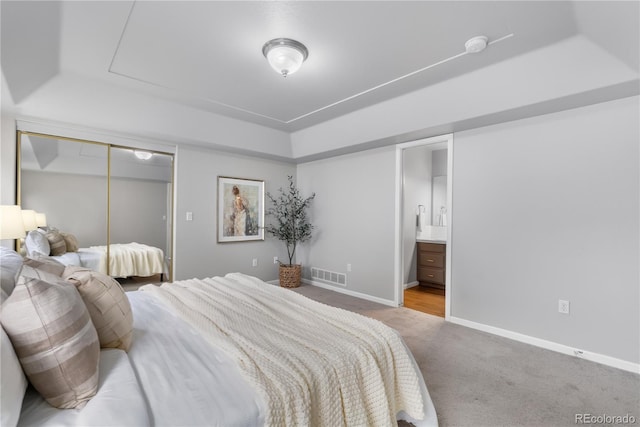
pixel 327 276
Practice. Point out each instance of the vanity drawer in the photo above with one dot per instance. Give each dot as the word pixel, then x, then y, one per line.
pixel 431 259
pixel 431 247
pixel 433 275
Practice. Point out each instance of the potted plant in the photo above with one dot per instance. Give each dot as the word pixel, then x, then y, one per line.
pixel 292 226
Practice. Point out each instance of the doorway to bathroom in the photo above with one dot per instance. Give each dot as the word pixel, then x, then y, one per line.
pixel 423 224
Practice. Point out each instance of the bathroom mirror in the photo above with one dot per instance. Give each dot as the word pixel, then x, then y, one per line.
pixel 101 194
pixel 439 201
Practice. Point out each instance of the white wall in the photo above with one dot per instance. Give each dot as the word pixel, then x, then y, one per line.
pixel 417 168
pixel 197 252
pixel 547 209
pixel 353 213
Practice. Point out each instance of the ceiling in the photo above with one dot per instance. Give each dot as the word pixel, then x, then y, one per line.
pixel 208 54
pixel 63 156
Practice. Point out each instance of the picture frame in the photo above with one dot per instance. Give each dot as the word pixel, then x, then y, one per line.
pixel 240 209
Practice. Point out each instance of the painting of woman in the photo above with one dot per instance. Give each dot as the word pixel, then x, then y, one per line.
pixel 240 209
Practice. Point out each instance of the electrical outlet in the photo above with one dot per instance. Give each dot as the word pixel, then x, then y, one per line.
pixel 189 216
pixel 348 267
pixel 275 259
pixel 563 306
pixel 255 262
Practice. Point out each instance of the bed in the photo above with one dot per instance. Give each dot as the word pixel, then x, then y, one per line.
pixel 236 351
pixel 125 259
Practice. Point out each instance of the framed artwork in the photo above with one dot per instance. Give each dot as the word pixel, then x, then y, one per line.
pixel 240 209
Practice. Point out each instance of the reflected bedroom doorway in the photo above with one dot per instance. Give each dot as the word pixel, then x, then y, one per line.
pixel 424 232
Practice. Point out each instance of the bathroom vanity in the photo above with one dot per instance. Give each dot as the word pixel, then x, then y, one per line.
pixel 431 264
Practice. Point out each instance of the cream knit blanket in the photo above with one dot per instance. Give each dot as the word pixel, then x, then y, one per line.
pixel 314 365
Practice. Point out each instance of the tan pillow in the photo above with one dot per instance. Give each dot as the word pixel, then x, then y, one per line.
pixel 56 343
pixel 56 243
pixel 108 306
pixel 29 272
pixel 45 263
pixel 70 241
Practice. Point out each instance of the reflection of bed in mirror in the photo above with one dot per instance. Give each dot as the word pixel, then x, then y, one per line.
pixel 103 195
pixel 124 260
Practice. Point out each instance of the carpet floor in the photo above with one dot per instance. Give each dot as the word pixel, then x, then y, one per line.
pixel 478 379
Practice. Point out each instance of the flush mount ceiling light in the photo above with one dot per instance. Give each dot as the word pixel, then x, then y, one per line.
pixel 142 155
pixel 476 44
pixel 285 55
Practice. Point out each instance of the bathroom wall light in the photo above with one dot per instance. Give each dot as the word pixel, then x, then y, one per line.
pixel 285 55
pixel 142 155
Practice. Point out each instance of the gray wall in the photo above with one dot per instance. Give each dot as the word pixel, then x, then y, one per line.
pixel 139 212
pixel 544 209
pixel 547 209
pixel 514 256
pixel 197 252
pixel 77 204
pixel 354 213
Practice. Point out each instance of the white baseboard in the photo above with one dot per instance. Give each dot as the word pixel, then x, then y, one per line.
pixel 341 290
pixel 411 284
pixel 549 345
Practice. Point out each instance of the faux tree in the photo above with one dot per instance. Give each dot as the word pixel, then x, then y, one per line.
pixel 289 209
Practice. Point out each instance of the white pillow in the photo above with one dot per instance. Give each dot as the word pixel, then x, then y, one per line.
pixel 10 266
pixel 37 243
pixel 14 383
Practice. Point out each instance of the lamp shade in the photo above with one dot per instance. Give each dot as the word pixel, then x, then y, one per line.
pixel 11 224
pixel 285 55
pixel 41 219
pixel 29 219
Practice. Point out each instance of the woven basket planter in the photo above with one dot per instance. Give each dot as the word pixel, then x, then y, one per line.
pixel 290 275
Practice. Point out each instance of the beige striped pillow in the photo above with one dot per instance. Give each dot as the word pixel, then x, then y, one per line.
pixel 55 341
pixel 71 242
pixel 107 303
pixel 57 244
pixel 45 263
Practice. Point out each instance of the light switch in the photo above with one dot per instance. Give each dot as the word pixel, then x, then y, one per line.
pixel 189 216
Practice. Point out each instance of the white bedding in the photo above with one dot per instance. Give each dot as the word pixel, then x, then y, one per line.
pixel 84 258
pixel 185 380
pixel 312 363
pixel 119 401
pixel 171 376
pixel 125 259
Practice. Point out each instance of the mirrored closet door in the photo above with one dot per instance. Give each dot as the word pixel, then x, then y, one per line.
pixel 112 205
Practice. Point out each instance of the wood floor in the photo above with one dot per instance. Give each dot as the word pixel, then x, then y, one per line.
pixel 424 299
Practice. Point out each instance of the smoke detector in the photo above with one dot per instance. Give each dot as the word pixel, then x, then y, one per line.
pixel 476 44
